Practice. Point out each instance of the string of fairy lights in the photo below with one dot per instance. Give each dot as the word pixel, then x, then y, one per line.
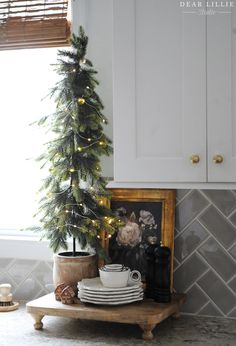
pixel 82 101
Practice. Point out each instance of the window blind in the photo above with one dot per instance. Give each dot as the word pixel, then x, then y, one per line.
pixel 33 23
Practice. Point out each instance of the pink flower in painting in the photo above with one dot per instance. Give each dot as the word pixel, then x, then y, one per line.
pixel 146 217
pixel 130 234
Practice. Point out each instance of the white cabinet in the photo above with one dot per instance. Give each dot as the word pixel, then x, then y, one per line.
pixel 221 95
pixel 174 76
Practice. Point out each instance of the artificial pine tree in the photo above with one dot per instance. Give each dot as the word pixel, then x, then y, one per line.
pixel 74 191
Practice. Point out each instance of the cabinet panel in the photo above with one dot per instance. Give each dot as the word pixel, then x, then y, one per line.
pixel 221 91
pixel 159 92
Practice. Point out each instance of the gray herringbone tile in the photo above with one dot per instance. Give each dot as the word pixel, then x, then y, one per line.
pixel 188 273
pixel 218 258
pixel 189 240
pixel 219 226
pixel 196 300
pixel 205 252
pixel 218 291
pixel 225 200
pixel 210 310
pixel 189 208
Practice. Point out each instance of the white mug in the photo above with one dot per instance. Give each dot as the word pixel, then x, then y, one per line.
pixel 118 279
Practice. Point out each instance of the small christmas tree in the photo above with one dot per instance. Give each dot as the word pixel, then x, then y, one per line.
pixel 73 204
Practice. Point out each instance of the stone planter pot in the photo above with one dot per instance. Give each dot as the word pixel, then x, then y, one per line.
pixel 69 270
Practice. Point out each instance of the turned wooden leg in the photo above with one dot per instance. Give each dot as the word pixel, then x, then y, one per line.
pixel 38 321
pixel 147 331
pixel 176 315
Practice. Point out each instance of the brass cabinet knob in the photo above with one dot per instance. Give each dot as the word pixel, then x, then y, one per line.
pixel 195 159
pixel 218 159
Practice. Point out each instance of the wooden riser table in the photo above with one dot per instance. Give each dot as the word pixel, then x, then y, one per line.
pixel 147 314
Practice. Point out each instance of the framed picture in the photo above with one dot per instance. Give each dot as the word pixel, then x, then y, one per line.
pixel 146 213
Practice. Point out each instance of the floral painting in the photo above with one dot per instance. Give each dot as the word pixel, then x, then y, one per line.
pixel 141 220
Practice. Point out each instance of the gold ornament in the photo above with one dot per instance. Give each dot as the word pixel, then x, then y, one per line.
pixel 80 149
pixel 72 169
pixel 81 100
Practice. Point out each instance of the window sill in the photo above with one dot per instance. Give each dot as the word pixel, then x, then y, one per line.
pixel 23 247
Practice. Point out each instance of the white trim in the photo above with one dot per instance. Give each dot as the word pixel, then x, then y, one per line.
pixel 18 233
pixel 24 248
pixel 79 15
pixel 30 248
pixel 139 185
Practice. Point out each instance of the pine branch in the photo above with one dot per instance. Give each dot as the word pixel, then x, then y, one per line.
pixel 67 209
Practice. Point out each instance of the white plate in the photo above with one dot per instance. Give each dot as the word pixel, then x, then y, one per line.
pixel 109 298
pixel 128 301
pixel 96 286
pixel 107 295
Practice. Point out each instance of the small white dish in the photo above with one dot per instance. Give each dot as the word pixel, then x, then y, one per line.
pixel 128 295
pixel 111 293
pixel 127 301
pixel 109 299
pixel 96 285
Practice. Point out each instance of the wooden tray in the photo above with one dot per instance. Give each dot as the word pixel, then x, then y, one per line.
pixel 147 314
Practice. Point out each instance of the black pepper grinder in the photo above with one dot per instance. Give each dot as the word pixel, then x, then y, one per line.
pixel 150 272
pixel 162 292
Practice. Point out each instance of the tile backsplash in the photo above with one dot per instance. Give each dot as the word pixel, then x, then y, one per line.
pixel 205 251
pixel 29 279
pixel 205 256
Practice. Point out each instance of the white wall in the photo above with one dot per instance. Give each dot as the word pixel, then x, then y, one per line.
pixel 96 18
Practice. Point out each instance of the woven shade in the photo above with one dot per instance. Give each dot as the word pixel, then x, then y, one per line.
pixel 33 24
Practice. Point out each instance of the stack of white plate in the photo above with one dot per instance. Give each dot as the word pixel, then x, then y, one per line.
pixel 92 291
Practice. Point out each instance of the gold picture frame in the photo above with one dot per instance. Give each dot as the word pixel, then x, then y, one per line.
pixel 167 199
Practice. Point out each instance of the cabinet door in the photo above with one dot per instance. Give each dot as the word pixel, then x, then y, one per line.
pixel 159 92
pixel 221 91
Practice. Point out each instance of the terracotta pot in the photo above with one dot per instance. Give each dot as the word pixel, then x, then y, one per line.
pixel 69 270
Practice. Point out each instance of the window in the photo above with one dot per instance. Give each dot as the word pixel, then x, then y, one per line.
pixel 34 23
pixel 26 77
